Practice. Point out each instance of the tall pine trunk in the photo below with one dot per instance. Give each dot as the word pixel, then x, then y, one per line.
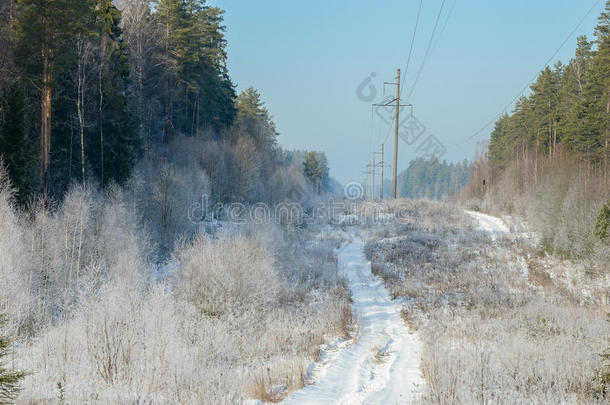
pixel 606 139
pixel 101 122
pixel 45 119
pixel 80 100
pixel 167 101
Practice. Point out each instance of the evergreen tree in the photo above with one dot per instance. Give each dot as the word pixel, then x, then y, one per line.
pixel 16 146
pixel 114 143
pixel 171 15
pixel 9 380
pixel 45 33
pixel 197 88
pixel 602 224
pixel 432 179
pixel 568 105
pixel 544 103
pixel 314 170
pixel 254 118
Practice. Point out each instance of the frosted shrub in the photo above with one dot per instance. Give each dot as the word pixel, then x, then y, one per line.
pixel 52 256
pixel 288 183
pixel 15 298
pixel 307 263
pixel 220 276
pixel 164 196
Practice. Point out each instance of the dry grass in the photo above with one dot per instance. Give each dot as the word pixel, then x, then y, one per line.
pixel 265 387
pixel 348 322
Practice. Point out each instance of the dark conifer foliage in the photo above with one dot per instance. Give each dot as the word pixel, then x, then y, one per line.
pixel 89 86
pixel 9 379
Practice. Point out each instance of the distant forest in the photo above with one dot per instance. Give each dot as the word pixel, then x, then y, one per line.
pixel 433 179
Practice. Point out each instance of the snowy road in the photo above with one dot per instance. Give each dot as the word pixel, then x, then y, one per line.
pixel 487 223
pixel 382 365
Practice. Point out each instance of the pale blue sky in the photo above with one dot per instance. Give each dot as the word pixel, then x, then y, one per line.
pixel 307 58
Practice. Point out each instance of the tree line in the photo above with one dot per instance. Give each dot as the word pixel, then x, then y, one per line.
pixel 89 87
pixel 433 179
pixel 566 114
pixel 548 161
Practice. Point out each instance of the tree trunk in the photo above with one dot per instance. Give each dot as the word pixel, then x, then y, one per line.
pixel 80 82
pixel 101 133
pixel 554 140
pixel 167 101
pixel 186 107
pixel 100 115
pixel 140 68
pixel 45 119
pixel 536 161
pixel 606 139
pixel 197 116
pixel 550 133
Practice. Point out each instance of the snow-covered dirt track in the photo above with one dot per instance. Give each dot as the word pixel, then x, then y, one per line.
pixel 382 365
pixel 490 224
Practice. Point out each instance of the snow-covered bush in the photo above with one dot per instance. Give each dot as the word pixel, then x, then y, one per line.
pixel 164 195
pixel 52 256
pixel 15 297
pixel 225 276
pixel 229 322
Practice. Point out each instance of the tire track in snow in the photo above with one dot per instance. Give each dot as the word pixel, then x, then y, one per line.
pixel 382 365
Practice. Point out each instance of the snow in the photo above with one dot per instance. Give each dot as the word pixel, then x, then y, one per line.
pixel 490 224
pixel 381 365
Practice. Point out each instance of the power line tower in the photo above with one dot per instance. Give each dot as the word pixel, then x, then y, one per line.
pixel 381 164
pixel 397 105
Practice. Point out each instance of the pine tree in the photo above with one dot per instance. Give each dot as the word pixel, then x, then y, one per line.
pixel 9 380
pixel 602 224
pixel 45 30
pixel 171 15
pixel 600 79
pixel 16 147
pixel 197 89
pixel 254 118
pixel 114 142
pixel 314 170
pixel 544 101
pixel 589 119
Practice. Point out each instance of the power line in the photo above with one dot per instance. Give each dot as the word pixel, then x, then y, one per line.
pixel 412 42
pixel 440 34
pixel 530 82
pixel 408 62
pixel 421 68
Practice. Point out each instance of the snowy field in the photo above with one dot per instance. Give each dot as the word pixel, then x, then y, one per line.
pixel 432 305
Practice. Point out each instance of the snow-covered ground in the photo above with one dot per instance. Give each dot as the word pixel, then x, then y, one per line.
pixel 382 365
pixel 487 223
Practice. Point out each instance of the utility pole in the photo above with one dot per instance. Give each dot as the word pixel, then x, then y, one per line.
pixel 381 164
pixel 368 182
pixel 396 124
pixel 372 170
pixel 394 171
pixel 372 167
